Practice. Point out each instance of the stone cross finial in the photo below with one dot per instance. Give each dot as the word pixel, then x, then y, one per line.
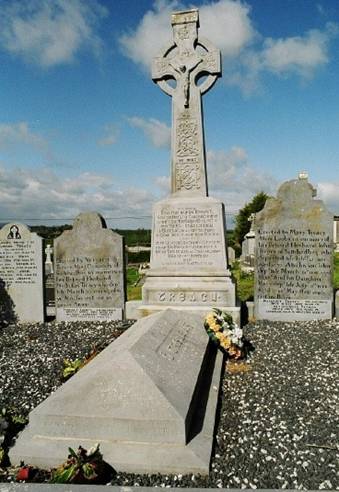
pixel 185 61
pixel 48 261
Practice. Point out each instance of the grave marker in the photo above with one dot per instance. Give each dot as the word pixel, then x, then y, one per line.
pixel 188 266
pixel 89 271
pixel 294 250
pixel 21 267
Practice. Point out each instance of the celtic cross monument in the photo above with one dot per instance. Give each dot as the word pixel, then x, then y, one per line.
pixel 189 267
pixel 186 60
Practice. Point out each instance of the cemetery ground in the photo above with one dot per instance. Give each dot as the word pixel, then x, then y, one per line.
pixel 276 421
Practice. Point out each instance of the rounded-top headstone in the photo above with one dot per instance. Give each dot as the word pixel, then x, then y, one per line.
pixel 89 271
pixel 294 247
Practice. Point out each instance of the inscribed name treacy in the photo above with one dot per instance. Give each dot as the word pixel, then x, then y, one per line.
pixel 89 271
pixel 21 267
pixel 188 264
pixel 294 246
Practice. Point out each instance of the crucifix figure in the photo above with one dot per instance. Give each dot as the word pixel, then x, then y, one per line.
pixel 177 71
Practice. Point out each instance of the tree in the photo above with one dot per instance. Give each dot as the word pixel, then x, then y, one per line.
pixel 242 224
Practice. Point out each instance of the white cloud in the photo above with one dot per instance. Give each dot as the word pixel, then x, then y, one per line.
pixel 299 54
pixel 234 180
pixel 20 133
pixel 329 193
pixel 153 32
pixel 226 23
pixel 41 193
pixel 164 184
pixel 158 132
pixel 111 135
pixel 49 32
pixel 247 54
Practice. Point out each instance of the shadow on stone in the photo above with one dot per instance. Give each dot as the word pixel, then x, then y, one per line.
pixel 7 307
pixel 197 410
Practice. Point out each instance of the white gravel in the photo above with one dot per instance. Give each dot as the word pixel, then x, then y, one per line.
pixel 278 422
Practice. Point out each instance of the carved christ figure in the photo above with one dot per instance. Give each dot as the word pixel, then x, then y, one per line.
pixel 185 62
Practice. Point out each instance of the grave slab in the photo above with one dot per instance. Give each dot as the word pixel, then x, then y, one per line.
pixel 294 256
pixel 89 271
pixel 21 274
pixel 149 399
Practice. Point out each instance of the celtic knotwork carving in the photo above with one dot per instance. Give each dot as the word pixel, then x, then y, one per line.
pixel 187 137
pixel 188 176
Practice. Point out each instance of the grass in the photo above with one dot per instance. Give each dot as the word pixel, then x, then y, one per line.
pixel 244 282
pixel 133 290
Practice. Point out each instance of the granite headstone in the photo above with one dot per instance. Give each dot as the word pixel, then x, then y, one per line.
pixel 294 248
pixel 21 267
pixel 89 271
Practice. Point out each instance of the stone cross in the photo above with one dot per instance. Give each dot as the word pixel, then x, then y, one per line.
pixel 186 61
pixel 48 261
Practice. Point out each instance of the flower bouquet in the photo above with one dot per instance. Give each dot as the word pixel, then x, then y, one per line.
pixel 226 334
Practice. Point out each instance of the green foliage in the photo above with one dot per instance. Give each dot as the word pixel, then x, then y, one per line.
pixel 133 289
pixel 244 282
pixel 71 367
pixel 11 422
pixel 50 232
pixel 138 237
pixel 336 271
pixel 81 466
pixel 140 257
pixel 242 224
pixel 132 276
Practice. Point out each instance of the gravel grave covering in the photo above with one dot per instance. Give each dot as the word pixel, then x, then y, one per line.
pixel 278 419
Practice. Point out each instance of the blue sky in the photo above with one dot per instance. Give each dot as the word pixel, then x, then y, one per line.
pixel 83 127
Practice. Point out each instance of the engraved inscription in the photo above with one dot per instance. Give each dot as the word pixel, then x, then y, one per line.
pixel 188 297
pixel 187 237
pixel 18 263
pixel 86 282
pixel 174 346
pixel 296 306
pixel 293 264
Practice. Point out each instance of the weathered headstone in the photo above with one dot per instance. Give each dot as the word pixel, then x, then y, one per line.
pixel 89 271
pixel 294 254
pixel 188 266
pixel 231 255
pixel 248 245
pixel 149 399
pixel 21 267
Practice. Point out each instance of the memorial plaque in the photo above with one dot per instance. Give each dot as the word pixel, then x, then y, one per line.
pixel 89 272
pixel 294 248
pixel 189 237
pixel 21 267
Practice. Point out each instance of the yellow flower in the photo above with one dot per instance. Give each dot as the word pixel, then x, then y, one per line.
pixel 215 327
pixel 225 342
pixel 210 319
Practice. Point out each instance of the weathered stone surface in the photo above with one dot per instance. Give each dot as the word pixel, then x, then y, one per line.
pixel 149 399
pixel 21 267
pixel 89 271
pixel 337 304
pixel 294 246
pixel 188 237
